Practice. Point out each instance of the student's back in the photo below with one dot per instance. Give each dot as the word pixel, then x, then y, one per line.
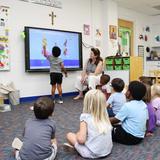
pixel 133 116
pixel 137 114
pixel 117 97
pixel 93 140
pixel 37 139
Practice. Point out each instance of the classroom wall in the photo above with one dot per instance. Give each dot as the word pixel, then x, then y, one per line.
pixel 72 16
pixel 155 26
pixel 99 14
pixel 140 21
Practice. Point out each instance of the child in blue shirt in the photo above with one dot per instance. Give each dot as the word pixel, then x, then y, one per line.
pixel 117 98
pixel 133 116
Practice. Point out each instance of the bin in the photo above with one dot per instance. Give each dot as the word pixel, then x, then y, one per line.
pixel 118 60
pixel 118 67
pixel 14 97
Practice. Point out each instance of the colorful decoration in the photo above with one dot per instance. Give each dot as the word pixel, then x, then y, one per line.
pixel 157 38
pixel 86 29
pixel 141 37
pixel 98 33
pixel 4 39
pixel 22 35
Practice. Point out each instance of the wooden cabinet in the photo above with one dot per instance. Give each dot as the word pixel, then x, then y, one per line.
pixel 132 72
pixel 136 67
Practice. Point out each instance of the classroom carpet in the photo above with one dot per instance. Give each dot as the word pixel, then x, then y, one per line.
pixel 66 116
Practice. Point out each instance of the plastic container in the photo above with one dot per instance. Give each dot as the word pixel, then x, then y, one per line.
pixel 109 60
pixel 118 60
pixel 126 60
pixel 110 67
pixel 125 67
pixel 14 97
pixel 118 67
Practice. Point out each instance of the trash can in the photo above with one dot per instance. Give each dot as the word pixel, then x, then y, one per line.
pixel 14 97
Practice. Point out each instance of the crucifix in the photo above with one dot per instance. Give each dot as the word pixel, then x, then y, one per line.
pixel 52 15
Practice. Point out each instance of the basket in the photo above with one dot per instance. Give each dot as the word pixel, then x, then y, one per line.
pixel 109 67
pixel 118 60
pixel 126 60
pixel 109 60
pixel 118 67
pixel 125 67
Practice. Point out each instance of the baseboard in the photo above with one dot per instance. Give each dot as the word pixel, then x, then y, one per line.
pixel 33 98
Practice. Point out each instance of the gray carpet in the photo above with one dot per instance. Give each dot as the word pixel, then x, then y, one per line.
pixel 67 119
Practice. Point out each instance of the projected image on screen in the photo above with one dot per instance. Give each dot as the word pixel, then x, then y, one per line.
pixel 68 42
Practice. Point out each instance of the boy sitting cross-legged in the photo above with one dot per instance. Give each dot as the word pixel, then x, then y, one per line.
pixel 133 116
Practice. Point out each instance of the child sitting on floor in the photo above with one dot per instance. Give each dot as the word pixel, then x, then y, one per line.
pixel 104 79
pixel 133 116
pixel 93 140
pixel 151 123
pixel 117 97
pixel 39 141
pixel 155 94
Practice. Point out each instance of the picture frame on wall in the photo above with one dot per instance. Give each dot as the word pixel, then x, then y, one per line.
pixel 113 32
pixel 86 29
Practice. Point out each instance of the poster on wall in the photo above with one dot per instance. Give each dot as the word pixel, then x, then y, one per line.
pixel 4 39
pixel 113 32
pixel 86 29
pixel 140 50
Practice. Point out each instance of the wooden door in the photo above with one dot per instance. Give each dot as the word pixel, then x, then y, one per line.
pixel 136 67
pixel 128 25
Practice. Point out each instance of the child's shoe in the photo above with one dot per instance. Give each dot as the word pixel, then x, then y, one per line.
pixel 60 100
pixel 68 145
pixel 53 98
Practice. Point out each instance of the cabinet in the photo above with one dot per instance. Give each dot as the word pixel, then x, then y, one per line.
pixel 136 67
pixel 128 68
pixel 117 63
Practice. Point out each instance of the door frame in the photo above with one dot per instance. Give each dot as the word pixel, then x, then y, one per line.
pixel 129 25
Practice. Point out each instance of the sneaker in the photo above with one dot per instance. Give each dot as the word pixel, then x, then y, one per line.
pixel 54 101
pixel 60 100
pixel 53 98
pixel 31 108
pixel 68 145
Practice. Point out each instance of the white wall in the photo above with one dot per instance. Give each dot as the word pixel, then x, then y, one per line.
pixel 72 16
pixel 109 17
pixel 99 14
pixel 155 26
pixel 140 21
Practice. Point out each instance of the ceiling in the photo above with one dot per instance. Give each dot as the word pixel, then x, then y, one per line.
pixel 148 7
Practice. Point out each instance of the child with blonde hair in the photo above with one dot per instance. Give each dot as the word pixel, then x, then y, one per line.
pixel 151 123
pixel 93 140
pixel 155 94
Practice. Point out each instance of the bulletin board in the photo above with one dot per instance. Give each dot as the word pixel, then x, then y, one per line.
pixel 4 38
